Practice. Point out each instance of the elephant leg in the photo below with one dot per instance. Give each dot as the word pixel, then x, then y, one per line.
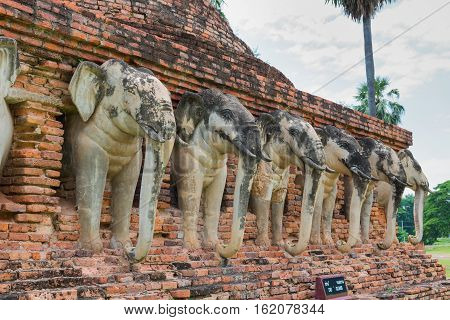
pixel 212 201
pixel 91 166
pixel 365 216
pixel 277 223
pixel 189 195
pixel 327 216
pixel 261 208
pixel 123 188
pixel 317 217
pixel 278 199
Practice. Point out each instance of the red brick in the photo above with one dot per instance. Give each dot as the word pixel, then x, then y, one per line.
pixel 180 294
pixel 28 218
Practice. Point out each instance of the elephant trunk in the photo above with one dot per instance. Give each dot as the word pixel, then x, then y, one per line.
pixel 354 217
pixel 244 179
pixel 391 217
pixel 419 200
pixel 312 177
pixel 151 183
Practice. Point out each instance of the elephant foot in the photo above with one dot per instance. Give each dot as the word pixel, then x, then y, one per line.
pixel 117 243
pixel 327 240
pixel 95 245
pixel 278 242
pixel 191 244
pixel 211 243
pixel 262 241
pixel 382 246
pixel 315 241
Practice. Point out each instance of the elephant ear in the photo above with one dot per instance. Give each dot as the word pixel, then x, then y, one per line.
pixel 9 64
pixel 87 88
pixel 322 135
pixel 268 125
pixel 188 114
pixel 402 154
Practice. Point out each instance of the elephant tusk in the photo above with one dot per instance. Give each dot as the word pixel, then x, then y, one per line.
pixel 359 173
pixel 329 170
pixel 314 165
pixel 405 184
pixel 354 170
pixel 263 156
pixel 239 145
pixel 181 141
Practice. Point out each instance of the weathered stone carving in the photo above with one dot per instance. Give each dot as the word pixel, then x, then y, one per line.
pixel 209 126
pixel 344 155
pixel 390 174
pixel 118 106
pixel 9 68
pixel 417 181
pixel 287 140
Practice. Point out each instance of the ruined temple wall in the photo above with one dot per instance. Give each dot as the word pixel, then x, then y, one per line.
pixel 188 53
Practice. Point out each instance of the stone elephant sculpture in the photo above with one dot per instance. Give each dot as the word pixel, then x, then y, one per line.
pixel 210 125
pixel 9 68
pixel 343 154
pixel 287 140
pixel 119 107
pixel 418 182
pixel 391 180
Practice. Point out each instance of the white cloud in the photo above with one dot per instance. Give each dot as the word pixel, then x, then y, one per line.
pixel 324 42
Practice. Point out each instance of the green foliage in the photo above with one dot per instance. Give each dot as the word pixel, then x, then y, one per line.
pixel 437 214
pixel 402 235
pixel 405 217
pixel 388 109
pixel 441 250
pixel 218 4
pixel 358 9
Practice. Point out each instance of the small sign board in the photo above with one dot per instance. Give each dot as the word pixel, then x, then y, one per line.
pixel 331 287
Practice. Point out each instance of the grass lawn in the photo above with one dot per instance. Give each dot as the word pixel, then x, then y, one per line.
pixel 441 251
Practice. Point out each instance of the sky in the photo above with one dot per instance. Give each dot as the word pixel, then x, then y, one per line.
pixel 312 43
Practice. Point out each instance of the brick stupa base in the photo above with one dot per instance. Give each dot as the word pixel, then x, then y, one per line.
pixel 60 271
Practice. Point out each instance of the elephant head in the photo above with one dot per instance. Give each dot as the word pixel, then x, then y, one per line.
pixel 292 140
pixel 418 182
pixel 230 128
pixel 9 68
pixel 386 167
pixel 344 155
pixel 138 104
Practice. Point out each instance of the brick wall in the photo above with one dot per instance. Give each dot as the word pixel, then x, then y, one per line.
pixel 189 47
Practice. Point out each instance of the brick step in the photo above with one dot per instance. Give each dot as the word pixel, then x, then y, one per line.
pixel 23 265
pixel 33 274
pixel 47 283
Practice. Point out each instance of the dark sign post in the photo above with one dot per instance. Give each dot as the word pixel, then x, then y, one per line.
pixel 331 287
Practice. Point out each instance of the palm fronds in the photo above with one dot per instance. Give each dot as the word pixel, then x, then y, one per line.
pixel 358 9
pixel 387 106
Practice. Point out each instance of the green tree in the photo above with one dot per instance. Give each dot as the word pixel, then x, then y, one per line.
pixel 405 218
pixel 388 109
pixel 364 10
pixel 218 4
pixel 437 214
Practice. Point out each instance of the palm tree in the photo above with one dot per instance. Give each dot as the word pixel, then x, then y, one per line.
pixel 364 10
pixel 387 107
